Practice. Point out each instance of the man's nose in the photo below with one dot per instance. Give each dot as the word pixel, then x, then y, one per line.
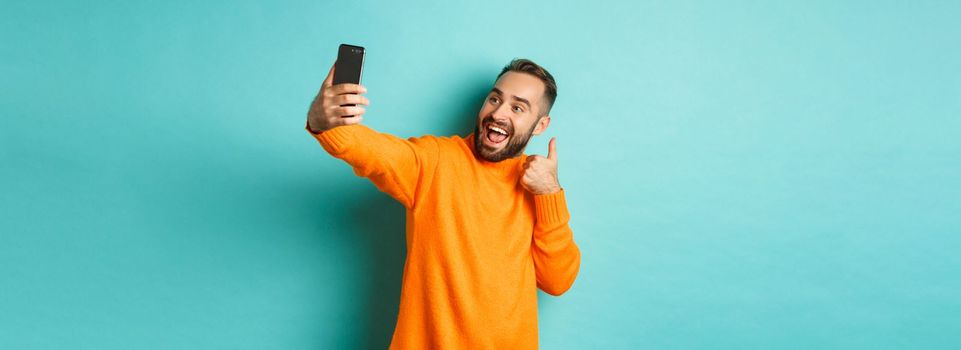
pixel 502 112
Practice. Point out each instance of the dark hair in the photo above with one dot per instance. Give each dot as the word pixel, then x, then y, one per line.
pixel 524 65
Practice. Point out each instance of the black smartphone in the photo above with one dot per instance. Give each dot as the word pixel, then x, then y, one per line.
pixel 350 62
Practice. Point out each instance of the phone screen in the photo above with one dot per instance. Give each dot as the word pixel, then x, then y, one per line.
pixel 350 62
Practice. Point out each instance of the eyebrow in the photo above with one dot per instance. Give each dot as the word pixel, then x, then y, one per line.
pixel 499 92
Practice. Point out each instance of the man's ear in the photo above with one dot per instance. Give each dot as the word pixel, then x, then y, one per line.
pixel 542 124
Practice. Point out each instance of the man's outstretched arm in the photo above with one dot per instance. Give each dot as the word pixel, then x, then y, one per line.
pixel 557 259
pixel 395 165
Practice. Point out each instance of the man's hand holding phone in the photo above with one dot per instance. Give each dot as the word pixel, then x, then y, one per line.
pixel 336 105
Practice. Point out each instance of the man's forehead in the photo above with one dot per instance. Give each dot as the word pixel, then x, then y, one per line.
pixel 522 85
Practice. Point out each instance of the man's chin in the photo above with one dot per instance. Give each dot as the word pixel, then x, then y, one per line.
pixel 490 153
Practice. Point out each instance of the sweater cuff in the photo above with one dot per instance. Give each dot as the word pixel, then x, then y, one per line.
pixel 335 140
pixel 551 208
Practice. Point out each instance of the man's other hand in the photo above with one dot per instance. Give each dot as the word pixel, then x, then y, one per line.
pixel 540 173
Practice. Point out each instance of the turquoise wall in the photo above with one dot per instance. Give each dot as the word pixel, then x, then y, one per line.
pixel 741 175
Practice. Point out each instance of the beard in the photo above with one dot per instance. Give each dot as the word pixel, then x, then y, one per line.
pixel 515 142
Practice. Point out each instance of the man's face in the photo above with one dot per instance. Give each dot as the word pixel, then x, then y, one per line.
pixel 513 107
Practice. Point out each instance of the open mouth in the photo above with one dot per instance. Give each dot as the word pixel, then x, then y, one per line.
pixel 495 135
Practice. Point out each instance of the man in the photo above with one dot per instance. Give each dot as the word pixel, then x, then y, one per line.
pixel 486 224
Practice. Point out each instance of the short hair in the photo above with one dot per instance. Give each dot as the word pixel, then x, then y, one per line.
pixel 523 65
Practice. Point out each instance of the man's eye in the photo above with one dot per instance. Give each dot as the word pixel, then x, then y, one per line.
pixel 518 109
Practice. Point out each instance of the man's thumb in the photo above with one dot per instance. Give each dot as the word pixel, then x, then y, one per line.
pixel 552 149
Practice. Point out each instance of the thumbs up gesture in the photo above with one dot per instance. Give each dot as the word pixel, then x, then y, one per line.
pixel 540 173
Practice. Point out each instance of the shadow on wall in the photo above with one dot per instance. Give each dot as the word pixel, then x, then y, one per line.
pixel 380 221
pixel 380 225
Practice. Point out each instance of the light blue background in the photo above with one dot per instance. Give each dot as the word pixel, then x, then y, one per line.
pixel 741 175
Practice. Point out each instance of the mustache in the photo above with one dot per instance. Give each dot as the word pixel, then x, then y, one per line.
pixel 488 120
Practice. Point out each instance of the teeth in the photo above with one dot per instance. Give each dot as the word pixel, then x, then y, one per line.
pixel 499 130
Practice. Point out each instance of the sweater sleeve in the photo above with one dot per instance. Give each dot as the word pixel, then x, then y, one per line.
pixel 557 259
pixel 396 166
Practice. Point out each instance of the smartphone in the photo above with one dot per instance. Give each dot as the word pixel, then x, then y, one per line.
pixel 350 62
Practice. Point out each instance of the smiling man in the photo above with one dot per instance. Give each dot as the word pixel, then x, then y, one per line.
pixel 486 224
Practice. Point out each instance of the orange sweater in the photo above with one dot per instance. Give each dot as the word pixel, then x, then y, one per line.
pixel 478 244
